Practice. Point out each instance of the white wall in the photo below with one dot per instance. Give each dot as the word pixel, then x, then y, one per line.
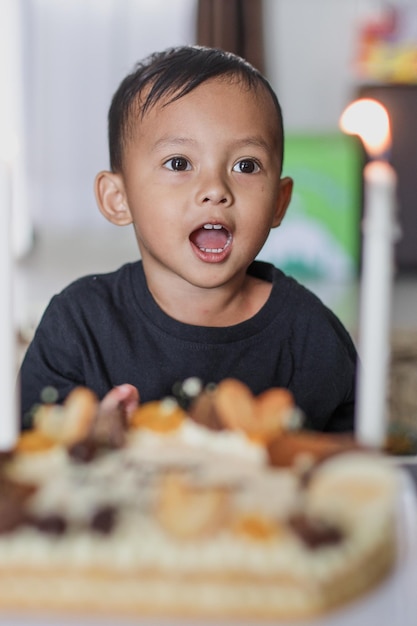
pixel 12 136
pixel 310 48
pixel 76 53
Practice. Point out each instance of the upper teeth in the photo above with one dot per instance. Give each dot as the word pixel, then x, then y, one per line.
pixel 211 226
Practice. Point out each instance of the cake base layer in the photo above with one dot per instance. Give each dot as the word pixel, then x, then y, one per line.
pixel 193 596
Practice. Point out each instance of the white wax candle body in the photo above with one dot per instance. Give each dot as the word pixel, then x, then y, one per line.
pixel 379 230
pixel 8 419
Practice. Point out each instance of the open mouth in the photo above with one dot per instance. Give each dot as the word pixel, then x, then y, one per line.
pixel 212 238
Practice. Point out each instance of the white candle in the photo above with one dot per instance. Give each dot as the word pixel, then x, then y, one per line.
pixel 8 420
pixel 379 232
pixel 369 119
pixel 10 107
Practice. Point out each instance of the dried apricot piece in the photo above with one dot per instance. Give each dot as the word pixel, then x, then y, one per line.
pixel 158 415
pixel 34 441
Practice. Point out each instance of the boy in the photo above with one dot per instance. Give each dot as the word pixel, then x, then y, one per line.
pixel 196 149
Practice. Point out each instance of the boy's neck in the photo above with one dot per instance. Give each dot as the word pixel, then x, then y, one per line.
pixel 221 306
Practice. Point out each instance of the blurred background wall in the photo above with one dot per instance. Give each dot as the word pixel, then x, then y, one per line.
pixel 75 54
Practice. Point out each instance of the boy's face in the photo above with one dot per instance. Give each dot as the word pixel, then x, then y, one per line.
pixel 201 182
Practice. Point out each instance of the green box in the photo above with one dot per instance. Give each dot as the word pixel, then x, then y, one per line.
pixel 319 237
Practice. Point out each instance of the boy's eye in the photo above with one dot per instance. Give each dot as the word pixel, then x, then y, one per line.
pixel 177 164
pixel 246 166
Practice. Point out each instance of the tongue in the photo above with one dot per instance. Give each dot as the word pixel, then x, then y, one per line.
pixel 211 239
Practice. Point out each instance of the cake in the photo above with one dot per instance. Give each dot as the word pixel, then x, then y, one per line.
pixel 220 506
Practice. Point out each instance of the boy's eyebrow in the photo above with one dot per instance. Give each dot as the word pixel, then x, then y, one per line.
pixel 256 141
pixel 165 142
pixel 239 143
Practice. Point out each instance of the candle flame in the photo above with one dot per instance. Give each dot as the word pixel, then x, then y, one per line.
pixel 368 119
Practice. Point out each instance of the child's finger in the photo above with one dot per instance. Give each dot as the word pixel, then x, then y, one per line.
pixel 126 395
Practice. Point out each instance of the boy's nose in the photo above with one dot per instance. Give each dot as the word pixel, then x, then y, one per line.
pixel 214 191
pixel 215 198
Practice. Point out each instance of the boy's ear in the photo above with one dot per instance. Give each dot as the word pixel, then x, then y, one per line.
pixel 284 199
pixel 111 198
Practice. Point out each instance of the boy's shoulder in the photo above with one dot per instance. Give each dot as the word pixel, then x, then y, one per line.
pixel 96 295
pixel 104 281
pixel 286 288
pixel 298 306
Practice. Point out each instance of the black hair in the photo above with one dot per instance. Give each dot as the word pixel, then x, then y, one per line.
pixel 175 72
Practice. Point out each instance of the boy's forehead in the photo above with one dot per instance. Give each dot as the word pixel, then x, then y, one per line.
pixel 222 83
pixel 222 86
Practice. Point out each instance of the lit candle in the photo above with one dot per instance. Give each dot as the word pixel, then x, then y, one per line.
pixel 369 120
pixel 8 418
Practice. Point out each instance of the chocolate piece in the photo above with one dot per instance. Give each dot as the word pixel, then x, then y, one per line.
pixel 315 533
pixel 109 427
pixel 83 451
pixel 103 520
pixel 13 497
pixel 52 524
pixel 5 457
pixel 203 411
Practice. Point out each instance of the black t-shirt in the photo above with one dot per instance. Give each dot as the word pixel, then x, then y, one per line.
pixel 104 330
